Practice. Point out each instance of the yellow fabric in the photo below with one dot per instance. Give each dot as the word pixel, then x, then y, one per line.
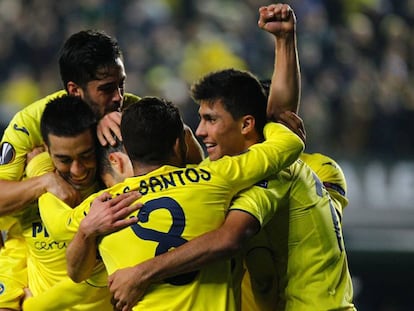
pixel 331 175
pixel 13 273
pixel 47 275
pixel 23 134
pixel 46 261
pixel 304 240
pixel 39 165
pixel 66 293
pixel 182 203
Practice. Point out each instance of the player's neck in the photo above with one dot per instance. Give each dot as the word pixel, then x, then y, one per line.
pixel 142 169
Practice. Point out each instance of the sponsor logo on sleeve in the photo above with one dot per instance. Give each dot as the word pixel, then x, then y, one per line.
pixel 263 183
pixel 21 129
pixel 7 153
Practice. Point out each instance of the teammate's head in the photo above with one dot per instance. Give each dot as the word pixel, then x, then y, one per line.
pixel 232 110
pixel 68 127
pixel 114 163
pixel 91 66
pixel 153 132
pixel 331 175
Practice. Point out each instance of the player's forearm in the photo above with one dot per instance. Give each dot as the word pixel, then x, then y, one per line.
pixel 285 88
pixel 15 195
pixel 61 296
pixel 215 245
pixel 45 301
pixel 190 256
pixel 81 256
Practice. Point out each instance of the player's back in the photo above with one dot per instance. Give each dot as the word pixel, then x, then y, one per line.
pixel 179 205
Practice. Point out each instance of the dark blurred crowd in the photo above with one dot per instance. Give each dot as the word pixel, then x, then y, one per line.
pixel 357 69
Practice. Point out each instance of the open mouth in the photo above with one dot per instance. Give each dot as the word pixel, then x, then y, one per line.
pixel 210 146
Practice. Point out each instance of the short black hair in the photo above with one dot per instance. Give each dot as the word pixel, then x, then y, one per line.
pixel 150 128
pixel 86 56
pixel 67 116
pixel 240 92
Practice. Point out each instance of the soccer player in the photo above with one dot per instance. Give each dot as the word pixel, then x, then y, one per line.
pixel 173 196
pixel 261 282
pixel 68 127
pixel 308 267
pixel 91 67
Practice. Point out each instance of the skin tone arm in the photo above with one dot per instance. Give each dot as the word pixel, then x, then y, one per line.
pixel 216 245
pixel 17 194
pixel 106 215
pixel 284 95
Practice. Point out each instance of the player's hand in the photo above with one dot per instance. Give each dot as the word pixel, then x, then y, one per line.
pixel 33 153
pixel 109 126
pixel 127 288
pixel 27 293
pixel 278 19
pixel 294 123
pixel 56 185
pixel 108 214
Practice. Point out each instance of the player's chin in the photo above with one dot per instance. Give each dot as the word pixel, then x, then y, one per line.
pixel 213 154
pixel 80 184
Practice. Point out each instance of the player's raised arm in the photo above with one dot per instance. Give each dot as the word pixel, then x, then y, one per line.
pixel 284 94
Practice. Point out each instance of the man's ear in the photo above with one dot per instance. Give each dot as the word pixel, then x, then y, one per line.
pixel 74 89
pixel 248 123
pixel 116 162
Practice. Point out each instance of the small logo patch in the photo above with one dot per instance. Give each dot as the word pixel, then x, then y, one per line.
pixel 263 183
pixel 1 288
pixel 329 163
pixel 7 153
pixel 21 129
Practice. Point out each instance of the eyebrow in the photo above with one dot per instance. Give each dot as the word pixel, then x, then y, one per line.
pixel 107 85
pixel 90 150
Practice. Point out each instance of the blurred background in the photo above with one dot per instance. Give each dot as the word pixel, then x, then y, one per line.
pixel 357 94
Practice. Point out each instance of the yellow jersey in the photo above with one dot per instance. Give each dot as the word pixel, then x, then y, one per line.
pixel 46 260
pixel 13 271
pixel 301 242
pixel 331 175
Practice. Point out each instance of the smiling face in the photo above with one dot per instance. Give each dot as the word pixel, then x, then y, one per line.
pixel 219 131
pixel 106 94
pixel 74 158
